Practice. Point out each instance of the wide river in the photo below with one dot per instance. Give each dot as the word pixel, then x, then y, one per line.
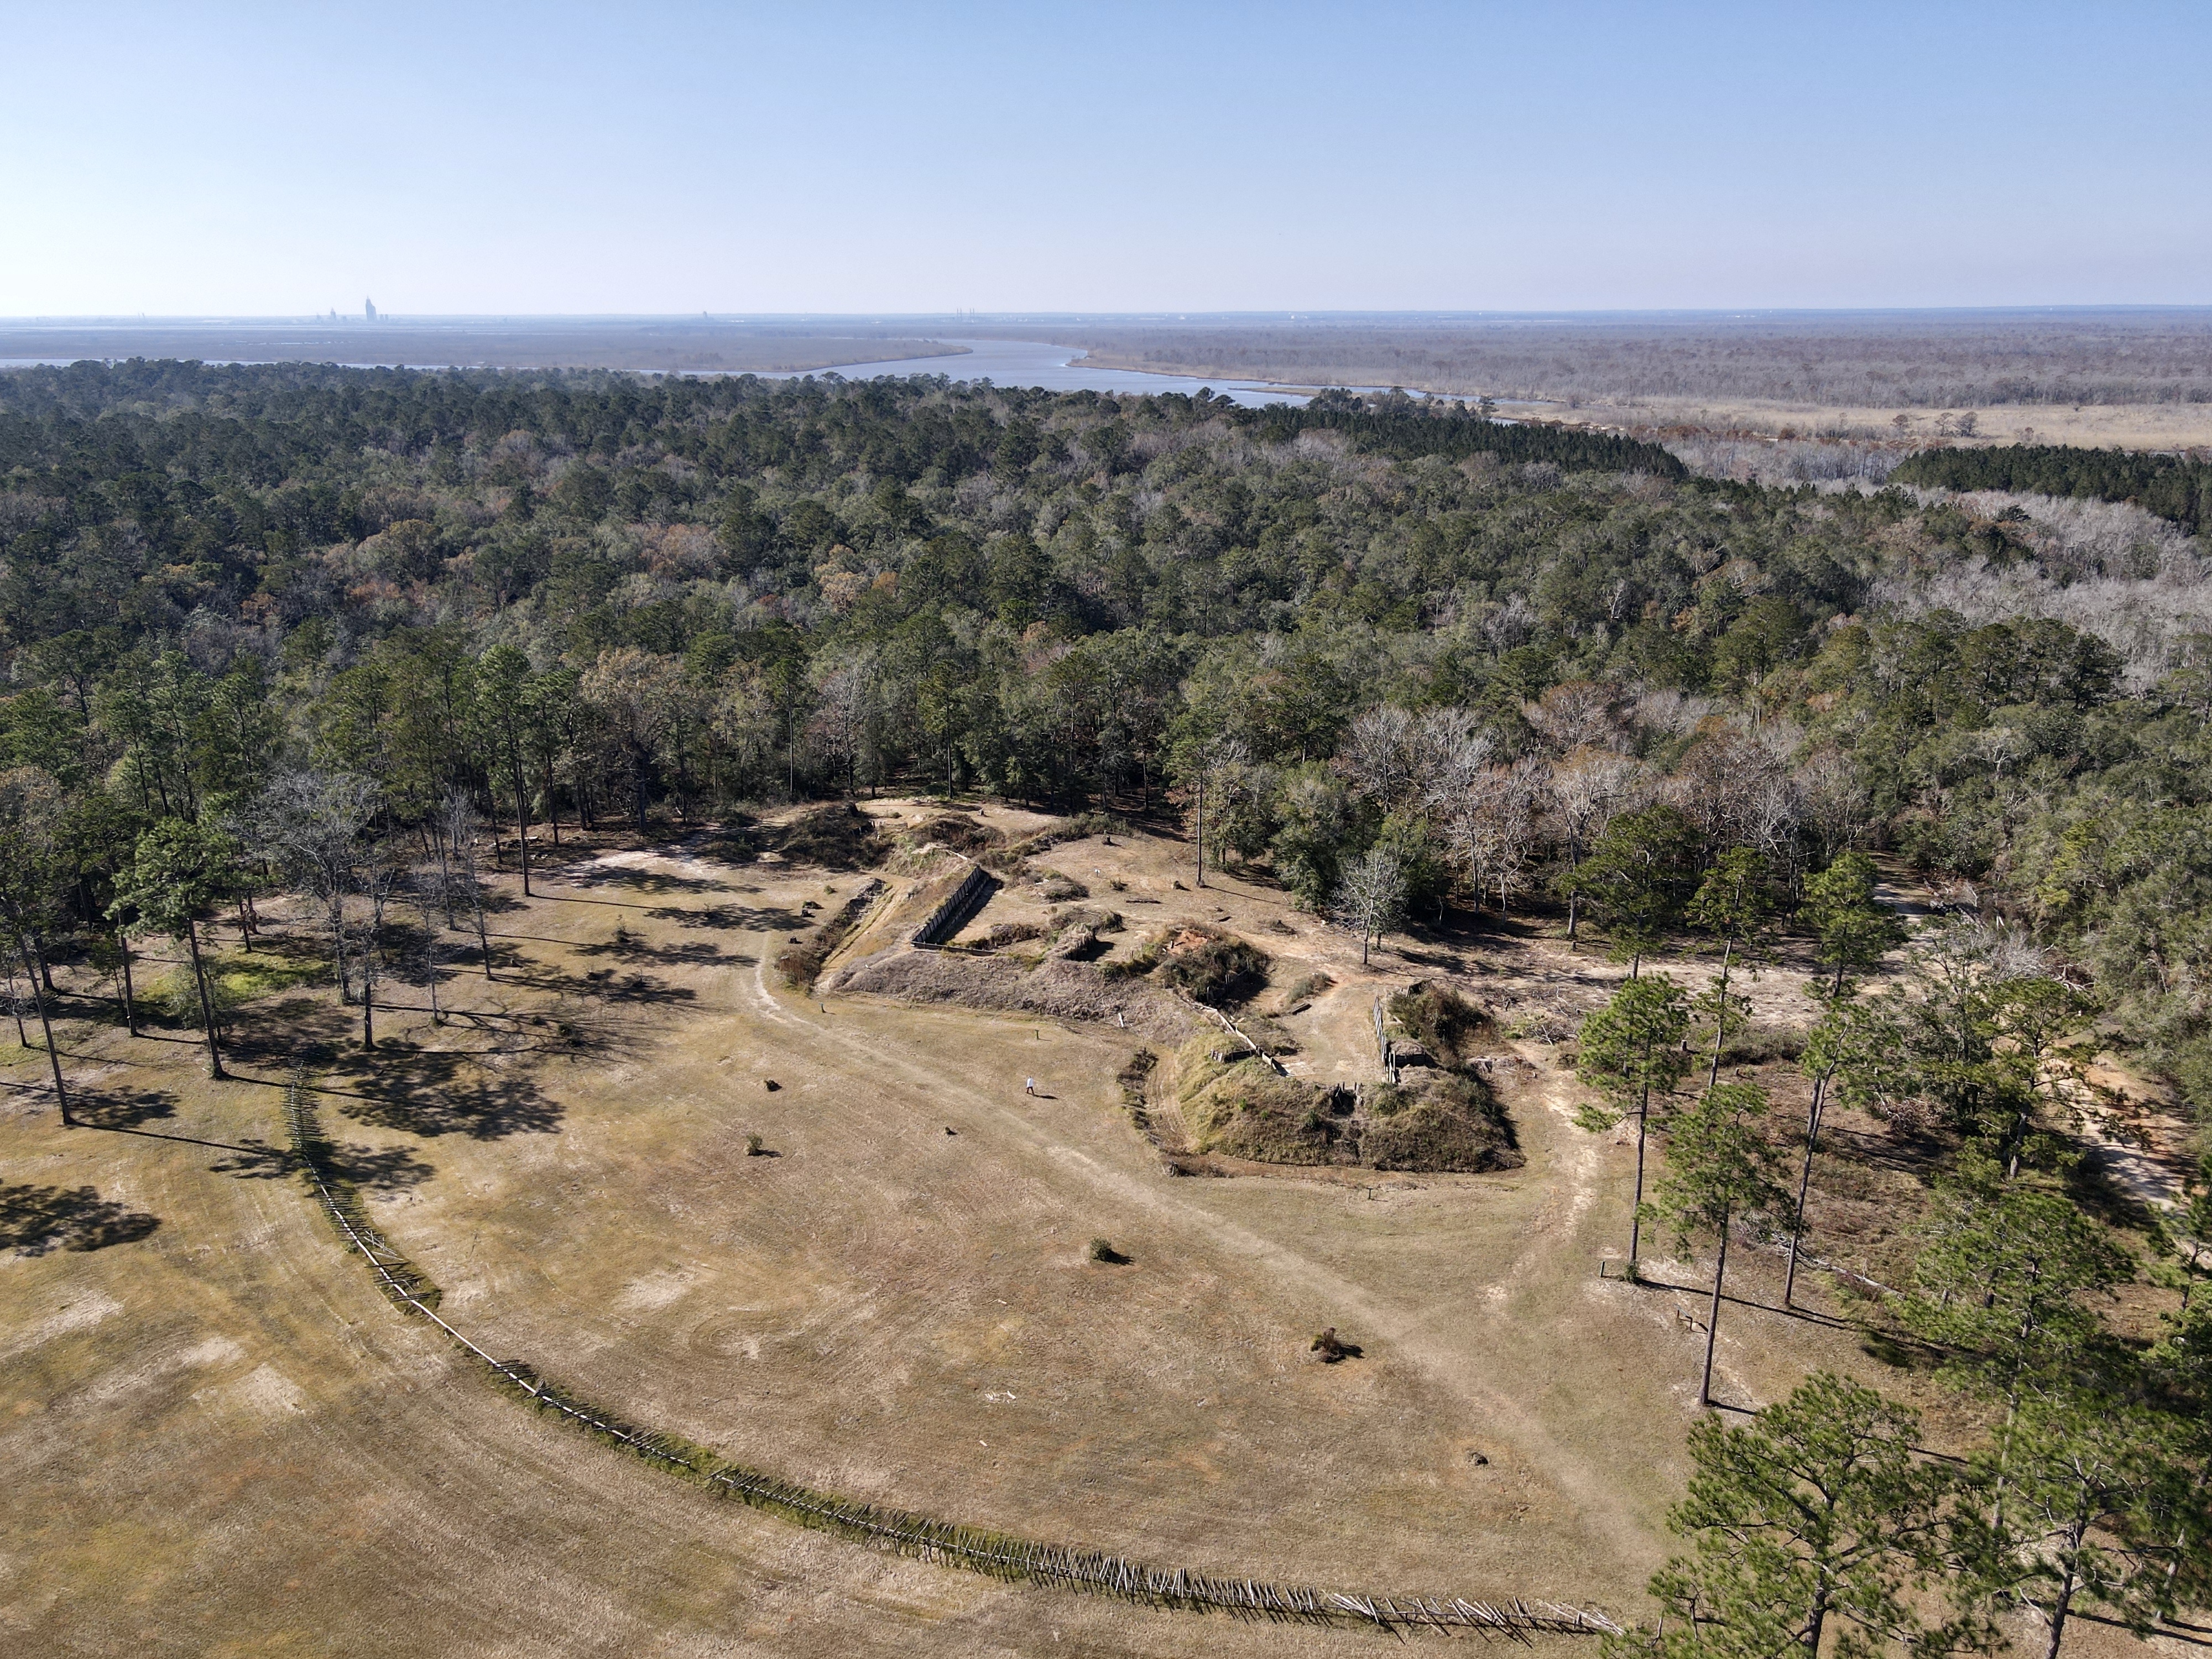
pixel 1054 368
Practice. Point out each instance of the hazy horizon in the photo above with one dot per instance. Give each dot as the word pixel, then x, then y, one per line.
pixel 249 162
pixel 954 319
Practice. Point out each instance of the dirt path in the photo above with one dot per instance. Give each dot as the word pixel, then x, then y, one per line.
pixel 1424 1333
pixel 883 1307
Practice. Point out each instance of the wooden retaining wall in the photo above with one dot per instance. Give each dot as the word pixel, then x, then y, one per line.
pixel 959 909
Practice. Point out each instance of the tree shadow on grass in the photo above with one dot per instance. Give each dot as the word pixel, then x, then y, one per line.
pixel 739 917
pixel 641 881
pixel 121 1108
pixel 602 984
pixel 35 1221
pixel 699 953
pixel 257 1160
pixel 281 1031
pixel 379 1168
pixel 431 1092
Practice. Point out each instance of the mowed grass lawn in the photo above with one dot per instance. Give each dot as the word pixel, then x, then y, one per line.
pixel 219 1438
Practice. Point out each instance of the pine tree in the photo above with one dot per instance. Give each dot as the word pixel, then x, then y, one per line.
pixel 2002 1283
pixel 182 868
pixel 1814 1523
pixel 1627 1050
pixel 1855 930
pixel 2095 1509
pixel 1733 905
pixel 1720 1176
pixel 1634 879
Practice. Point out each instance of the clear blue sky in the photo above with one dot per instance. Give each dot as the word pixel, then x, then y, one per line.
pixel 489 158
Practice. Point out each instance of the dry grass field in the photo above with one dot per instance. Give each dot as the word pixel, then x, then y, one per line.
pixel 2135 377
pixel 2087 426
pixel 220 1439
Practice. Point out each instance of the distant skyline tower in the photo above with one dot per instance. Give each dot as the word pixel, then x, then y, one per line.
pixel 369 309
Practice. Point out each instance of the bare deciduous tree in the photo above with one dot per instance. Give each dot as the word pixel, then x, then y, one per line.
pixel 1585 792
pixel 1495 828
pixel 1375 756
pixel 1372 896
pixel 457 821
pixel 311 823
pixel 1577 714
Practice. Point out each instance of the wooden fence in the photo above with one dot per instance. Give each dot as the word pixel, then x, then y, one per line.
pixel 902 1532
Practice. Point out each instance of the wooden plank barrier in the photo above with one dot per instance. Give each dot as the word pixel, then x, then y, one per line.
pixel 959 909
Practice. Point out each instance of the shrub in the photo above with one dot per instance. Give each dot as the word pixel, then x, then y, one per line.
pixel 958 831
pixel 1451 1124
pixel 835 837
pixel 1211 967
pixel 1440 1020
pixel 1097 920
pixel 1755 1045
pixel 233 982
pixel 1332 1348
pixel 1103 1250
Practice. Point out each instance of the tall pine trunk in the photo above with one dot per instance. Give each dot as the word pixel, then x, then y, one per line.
pixel 522 814
pixel 1713 1318
pixel 207 1007
pixel 1720 1016
pixel 1804 1184
pixel 36 961
pixel 130 991
pixel 1643 1125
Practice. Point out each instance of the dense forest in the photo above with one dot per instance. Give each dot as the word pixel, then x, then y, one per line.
pixel 2169 486
pixel 1880 360
pixel 577 598
pixel 310 627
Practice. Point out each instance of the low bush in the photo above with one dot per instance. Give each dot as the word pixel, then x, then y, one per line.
pixel 1097 920
pixel 1212 967
pixel 958 831
pixel 1234 1103
pixel 233 982
pixel 1449 1123
pixel 1757 1044
pixel 1333 1348
pixel 839 837
pixel 1452 1029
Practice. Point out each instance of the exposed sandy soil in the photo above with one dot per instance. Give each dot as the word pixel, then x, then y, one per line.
pixel 220 1439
